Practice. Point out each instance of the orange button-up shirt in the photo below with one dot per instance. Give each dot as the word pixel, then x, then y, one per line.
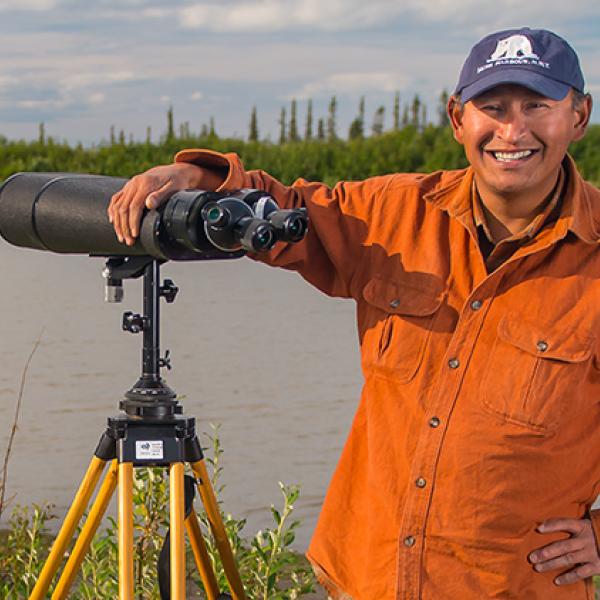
pixel 480 412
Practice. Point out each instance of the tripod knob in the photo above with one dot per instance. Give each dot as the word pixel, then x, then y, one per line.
pixel 168 290
pixel 165 361
pixel 133 322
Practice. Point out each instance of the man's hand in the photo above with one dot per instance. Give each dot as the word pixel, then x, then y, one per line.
pixel 151 189
pixel 577 556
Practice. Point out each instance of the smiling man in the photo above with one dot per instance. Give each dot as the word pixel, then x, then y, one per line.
pixel 474 457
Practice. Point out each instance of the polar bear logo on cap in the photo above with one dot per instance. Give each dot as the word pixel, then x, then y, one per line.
pixel 515 46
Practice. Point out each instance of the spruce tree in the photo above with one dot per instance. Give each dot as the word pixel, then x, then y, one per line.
pixel 415 111
pixel 397 111
pixel 357 127
pixel 42 134
pixel 443 120
pixel 294 137
pixel 112 137
pixel 170 125
pixel 321 130
pixel 423 116
pixel 212 132
pixel 331 119
pixel 378 119
pixel 405 119
pixel 253 133
pixel 148 135
pixel 309 121
pixel 282 127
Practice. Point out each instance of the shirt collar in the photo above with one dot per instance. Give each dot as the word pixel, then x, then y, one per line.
pixel 580 210
pixel 532 229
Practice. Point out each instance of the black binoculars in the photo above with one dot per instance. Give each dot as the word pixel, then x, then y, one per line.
pixel 67 213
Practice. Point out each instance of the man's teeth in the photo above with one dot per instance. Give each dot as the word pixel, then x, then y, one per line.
pixel 507 156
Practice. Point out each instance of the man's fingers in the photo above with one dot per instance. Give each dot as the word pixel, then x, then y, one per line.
pixel 576 574
pixel 160 196
pixel 574 526
pixel 568 559
pixel 114 200
pixel 556 549
pixel 135 217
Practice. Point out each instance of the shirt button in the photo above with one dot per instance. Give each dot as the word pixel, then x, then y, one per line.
pixel 434 422
pixel 421 483
pixel 395 303
pixel 542 346
pixel 476 304
pixel 409 541
pixel 453 363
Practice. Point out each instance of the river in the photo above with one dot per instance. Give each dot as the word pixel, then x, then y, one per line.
pixel 254 349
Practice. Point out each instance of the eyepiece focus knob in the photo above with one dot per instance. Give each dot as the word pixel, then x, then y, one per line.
pixel 216 215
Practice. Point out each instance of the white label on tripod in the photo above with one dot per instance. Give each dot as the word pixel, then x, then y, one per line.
pixel 148 450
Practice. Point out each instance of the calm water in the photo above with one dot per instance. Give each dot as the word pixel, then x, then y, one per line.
pixel 255 349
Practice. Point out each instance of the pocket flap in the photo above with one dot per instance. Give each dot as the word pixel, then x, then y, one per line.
pixel 567 345
pixel 404 297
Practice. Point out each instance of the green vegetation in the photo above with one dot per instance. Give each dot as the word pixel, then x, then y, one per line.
pixel 270 570
pixel 412 145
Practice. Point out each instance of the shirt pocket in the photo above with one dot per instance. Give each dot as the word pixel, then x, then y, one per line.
pixel 399 320
pixel 534 372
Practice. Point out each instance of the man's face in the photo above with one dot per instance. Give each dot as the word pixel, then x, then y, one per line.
pixel 515 139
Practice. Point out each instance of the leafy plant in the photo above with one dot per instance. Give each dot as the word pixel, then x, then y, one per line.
pixel 269 568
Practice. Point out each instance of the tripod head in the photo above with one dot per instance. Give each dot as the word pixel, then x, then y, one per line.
pixel 150 397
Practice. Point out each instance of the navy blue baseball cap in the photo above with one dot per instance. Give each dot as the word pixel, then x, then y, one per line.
pixel 535 58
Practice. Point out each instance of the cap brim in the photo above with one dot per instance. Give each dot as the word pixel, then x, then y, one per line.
pixel 545 86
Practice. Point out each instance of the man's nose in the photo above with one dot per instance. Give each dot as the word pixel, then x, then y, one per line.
pixel 513 127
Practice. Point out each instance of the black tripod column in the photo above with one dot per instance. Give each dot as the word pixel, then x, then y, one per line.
pixel 150 396
pixel 151 345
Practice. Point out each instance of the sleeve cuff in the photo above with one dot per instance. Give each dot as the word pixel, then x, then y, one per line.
pixel 230 164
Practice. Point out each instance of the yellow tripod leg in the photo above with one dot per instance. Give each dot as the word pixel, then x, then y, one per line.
pixel 82 497
pixel 218 529
pixel 177 516
pixel 87 533
pixel 125 500
pixel 201 557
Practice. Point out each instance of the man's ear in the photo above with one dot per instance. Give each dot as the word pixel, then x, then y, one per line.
pixel 455 111
pixel 583 111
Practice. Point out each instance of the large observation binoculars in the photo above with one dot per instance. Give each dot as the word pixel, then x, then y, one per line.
pixel 67 213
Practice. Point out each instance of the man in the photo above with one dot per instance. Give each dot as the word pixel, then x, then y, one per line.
pixel 474 456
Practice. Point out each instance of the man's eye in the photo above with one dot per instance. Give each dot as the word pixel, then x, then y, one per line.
pixel 491 108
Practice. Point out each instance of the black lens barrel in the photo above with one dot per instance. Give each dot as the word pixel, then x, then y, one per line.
pixel 67 213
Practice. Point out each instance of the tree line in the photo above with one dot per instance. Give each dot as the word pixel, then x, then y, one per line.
pixel 313 150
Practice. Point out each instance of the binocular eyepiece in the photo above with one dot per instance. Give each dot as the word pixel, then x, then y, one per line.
pixel 66 213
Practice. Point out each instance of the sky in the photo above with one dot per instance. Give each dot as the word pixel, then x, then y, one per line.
pixel 84 66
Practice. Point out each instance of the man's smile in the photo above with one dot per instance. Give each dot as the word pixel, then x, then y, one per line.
pixel 512 157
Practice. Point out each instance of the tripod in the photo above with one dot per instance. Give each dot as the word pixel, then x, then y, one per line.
pixel 150 431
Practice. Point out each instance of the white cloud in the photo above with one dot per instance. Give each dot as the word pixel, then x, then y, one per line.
pixel 36 104
pixel 196 96
pixel 96 98
pixel 278 15
pixel 35 5
pixel 7 81
pixel 165 99
pixel 86 79
pixel 351 83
